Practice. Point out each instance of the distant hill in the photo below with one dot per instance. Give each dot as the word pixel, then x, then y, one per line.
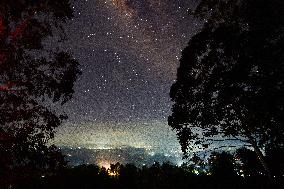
pixel 124 155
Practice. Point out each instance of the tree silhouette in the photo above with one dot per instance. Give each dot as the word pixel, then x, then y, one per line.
pixel 28 82
pixel 230 79
pixel 275 158
pixel 222 164
pixel 249 163
pixel 128 176
pixel 164 176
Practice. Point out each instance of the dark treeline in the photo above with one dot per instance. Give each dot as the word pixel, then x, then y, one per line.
pixel 229 83
pixel 220 170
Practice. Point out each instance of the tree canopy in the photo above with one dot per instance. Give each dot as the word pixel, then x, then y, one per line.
pixel 230 79
pixel 29 82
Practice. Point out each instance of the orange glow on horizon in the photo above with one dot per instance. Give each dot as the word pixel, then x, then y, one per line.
pixel 104 164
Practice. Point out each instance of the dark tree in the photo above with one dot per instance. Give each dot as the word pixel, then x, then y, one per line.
pixel 249 164
pixel 230 79
pixel 222 164
pixel 28 83
pixel 128 176
pixel 275 158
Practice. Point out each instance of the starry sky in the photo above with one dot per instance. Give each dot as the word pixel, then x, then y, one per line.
pixel 128 51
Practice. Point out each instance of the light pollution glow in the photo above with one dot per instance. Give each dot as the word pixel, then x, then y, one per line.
pixel 110 136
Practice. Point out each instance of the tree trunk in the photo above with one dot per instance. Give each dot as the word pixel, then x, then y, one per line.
pixel 260 157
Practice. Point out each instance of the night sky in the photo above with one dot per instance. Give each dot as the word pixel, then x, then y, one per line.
pixel 129 51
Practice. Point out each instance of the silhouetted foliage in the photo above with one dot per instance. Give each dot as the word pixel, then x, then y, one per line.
pixel 128 175
pixel 165 176
pixel 230 79
pixel 27 84
pixel 249 163
pixel 275 157
pixel 222 164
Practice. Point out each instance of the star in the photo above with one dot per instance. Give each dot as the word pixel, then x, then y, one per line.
pixel 128 51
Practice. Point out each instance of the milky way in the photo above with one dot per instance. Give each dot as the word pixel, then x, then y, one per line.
pixel 129 52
